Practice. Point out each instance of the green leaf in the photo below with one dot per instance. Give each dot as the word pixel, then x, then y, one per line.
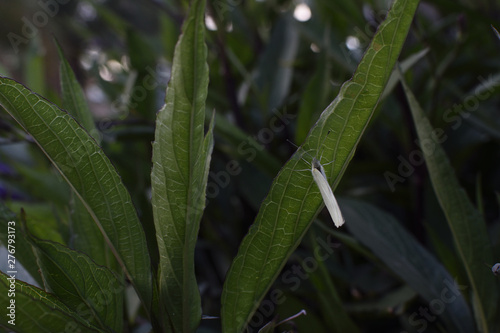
pixel 246 146
pixel 349 241
pixel 91 175
pixel 44 222
pixel 24 254
pixel 40 182
pixel 169 31
pixel 402 253
pixel 314 99
pixel 142 60
pixel 86 236
pixel 33 64
pixel 328 296
pixel 181 158
pixel 275 70
pixel 73 97
pixel 294 199
pixel 466 223
pixel 81 284
pixel 405 65
pixel 38 311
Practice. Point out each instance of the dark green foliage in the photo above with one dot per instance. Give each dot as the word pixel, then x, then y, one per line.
pixel 220 216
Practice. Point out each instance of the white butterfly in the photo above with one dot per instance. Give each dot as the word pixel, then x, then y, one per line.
pixel 319 176
pixel 331 204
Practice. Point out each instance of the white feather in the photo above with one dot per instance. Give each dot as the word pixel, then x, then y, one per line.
pixel 331 204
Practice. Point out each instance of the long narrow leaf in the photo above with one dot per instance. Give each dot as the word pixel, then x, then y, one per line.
pixel 329 298
pixel 90 174
pixel 73 97
pixel 465 222
pixel 401 252
pixel 275 70
pixel 24 254
pixel 181 157
pixel 81 284
pixel 262 159
pixel 86 236
pixel 35 310
pixel 294 199
pixel 315 97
